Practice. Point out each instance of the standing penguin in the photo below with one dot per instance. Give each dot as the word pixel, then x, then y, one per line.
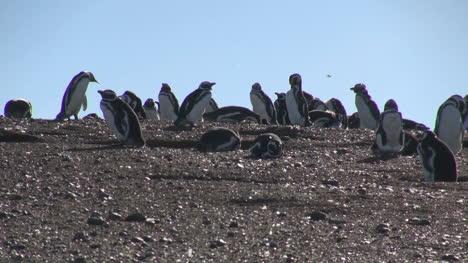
pixel 353 121
pixel 18 108
pixel 135 103
pixel 262 104
pixel 281 109
pixel 337 107
pixel 449 126
pixel 389 137
pixel 75 96
pixel 438 161
pixel 296 103
pixel 168 103
pixel 267 145
pixel 219 139
pixel 194 104
pixel 151 111
pixel 369 113
pixel 121 119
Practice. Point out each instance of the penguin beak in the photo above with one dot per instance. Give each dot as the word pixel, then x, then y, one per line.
pixel 97 81
pixel 100 91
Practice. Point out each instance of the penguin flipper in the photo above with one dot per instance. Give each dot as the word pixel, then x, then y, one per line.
pixel 85 103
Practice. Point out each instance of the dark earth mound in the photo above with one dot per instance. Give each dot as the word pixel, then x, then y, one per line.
pixel 69 193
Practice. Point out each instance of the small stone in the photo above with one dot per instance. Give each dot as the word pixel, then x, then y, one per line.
pixel 317 216
pixel 383 228
pixel 15 197
pixel 233 224
pixel 418 221
pixel 206 221
pixel 217 243
pixel 281 214
pixel 96 221
pixel 450 257
pixel 137 240
pixel 79 260
pixel 80 236
pixel 273 245
pixel 95 246
pixel 135 217
pixel 114 216
pixel 148 239
pixel 3 215
pixel 331 182
pixel 18 247
pixel 230 234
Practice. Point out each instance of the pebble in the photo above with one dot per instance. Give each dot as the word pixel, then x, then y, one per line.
pixel 450 257
pixel 114 216
pixel 96 221
pixel 418 221
pixel 217 243
pixel 317 216
pixel 135 217
pixel 80 236
pixel 383 228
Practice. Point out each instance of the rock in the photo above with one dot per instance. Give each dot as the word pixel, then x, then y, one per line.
pixel 137 240
pixel 3 215
pixel 95 246
pixel 114 216
pixel 418 221
pixel 135 217
pixel 217 243
pixel 96 221
pixel 80 236
pixel 450 257
pixel 383 228
pixel 317 216
pixel 233 224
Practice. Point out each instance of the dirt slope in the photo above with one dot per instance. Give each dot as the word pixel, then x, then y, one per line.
pixel 68 194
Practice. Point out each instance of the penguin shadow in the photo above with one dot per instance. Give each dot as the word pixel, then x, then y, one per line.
pixel 179 144
pixel 378 159
pixel 12 136
pixel 114 146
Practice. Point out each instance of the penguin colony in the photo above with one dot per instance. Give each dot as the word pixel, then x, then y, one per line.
pixel 436 149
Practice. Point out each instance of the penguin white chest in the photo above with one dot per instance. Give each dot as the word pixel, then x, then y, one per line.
pixel 295 117
pixel 110 115
pixel 392 127
pixel 259 107
pixel 76 97
pixel 367 120
pixel 196 113
pixel 427 156
pixel 166 108
pixel 152 114
pixel 450 128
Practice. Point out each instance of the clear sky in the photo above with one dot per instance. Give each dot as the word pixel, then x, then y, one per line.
pixel 415 52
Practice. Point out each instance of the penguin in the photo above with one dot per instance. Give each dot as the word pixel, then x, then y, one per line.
pixel 75 96
pixel 389 136
pixel 262 104
pixel 194 104
pixel 449 126
pixel 121 119
pixel 135 103
pixel 337 107
pixel 18 108
pixel 151 111
pixel 296 103
pixel 353 121
pixel 466 113
pixel 219 139
pixel 91 116
pixel 324 119
pixel 413 125
pixel 281 109
pixel 317 104
pixel 212 106
pixel 368 111
pixel 410 145
pixel 168 103
pixel 232 114
pixel 438 161
pixel 267 145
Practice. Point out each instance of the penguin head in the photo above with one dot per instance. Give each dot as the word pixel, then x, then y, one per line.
pixel 427 134
pixel 91 77
pixel 149 103
pixel 165 87
pixel 390 105
pixel 295 80
pixel 281 95
pixel 460 103
pixel 206 85
pixel 359 88
pixel 108 94
pixel 130 94
pixel 256 86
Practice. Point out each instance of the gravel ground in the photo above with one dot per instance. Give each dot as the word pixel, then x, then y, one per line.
pixel 68 193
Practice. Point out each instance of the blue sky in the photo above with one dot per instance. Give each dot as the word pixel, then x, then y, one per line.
pixel 415 52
